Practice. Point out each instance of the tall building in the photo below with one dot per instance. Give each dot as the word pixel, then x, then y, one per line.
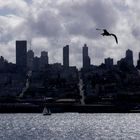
pixel 30 58
pixel 129 57
pixel 36 63
pixel 109 62
pixel 2 63
pixel 43 59
pixel 86 58
pixel 66 56
pixel 139 55
pixel 21 54
pixel 138 62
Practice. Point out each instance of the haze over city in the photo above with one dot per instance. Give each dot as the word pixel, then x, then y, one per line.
pixel 51 24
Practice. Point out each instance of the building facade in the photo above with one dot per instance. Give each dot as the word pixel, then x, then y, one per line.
pixel 44 60
pixel 109 62
pixel 86 58
pixel 30 58
pixel 129 57
pixel 21 54
pixel 66 56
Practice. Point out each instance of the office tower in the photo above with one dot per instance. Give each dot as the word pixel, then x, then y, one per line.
pixel 138 62
pixel 2 63
pixel 21 54
pixel 86 58
pixel 43 59
pixel 66 56
pixel 139 55
pixel 129 57
pixel 30 57
pixel 36 62
pixel 109 62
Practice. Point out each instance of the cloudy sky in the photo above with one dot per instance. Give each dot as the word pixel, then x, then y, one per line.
pixel 51 24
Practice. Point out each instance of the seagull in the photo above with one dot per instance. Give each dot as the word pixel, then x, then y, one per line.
pixel 106 33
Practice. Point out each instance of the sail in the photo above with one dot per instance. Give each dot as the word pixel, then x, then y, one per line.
pixel 46 111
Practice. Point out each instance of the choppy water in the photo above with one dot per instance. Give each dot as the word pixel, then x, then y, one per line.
pixel 69 126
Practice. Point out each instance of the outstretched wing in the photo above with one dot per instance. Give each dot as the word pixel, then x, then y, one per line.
pixel 100 29
pixel 104 30
pixel 115 37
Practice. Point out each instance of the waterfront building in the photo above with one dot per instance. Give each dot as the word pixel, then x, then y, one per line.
pixel 66 56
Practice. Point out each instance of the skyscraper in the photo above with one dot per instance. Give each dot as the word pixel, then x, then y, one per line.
pixel 129 57
pixel 86 58
pixel 139 55
pixel 36 62
pixel 138 62
pixel 66 56
pixel 109 62
pixel 30 57
pixel 43 59
pixel 21 54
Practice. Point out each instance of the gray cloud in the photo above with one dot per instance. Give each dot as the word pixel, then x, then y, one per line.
pixel 84 18
pixel 136 32
pixel 45 24
pixel 102 13
pixel 71 22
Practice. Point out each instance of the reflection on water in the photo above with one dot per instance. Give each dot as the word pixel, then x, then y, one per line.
pixel 69 126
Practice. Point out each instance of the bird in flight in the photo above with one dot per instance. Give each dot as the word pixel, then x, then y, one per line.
pixel 106 33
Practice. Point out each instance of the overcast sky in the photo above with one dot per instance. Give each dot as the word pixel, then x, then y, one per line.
pixel 51 24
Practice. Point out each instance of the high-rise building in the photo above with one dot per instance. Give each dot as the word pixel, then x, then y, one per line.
pixel 66 56
pixel 2 63
pixel 129 57
pixel 43 59
pixel 21 54
pixel 36 62
pixel 139 56
pixel 138 62
pixel 30 57
pixel 86 58
pixel 109 62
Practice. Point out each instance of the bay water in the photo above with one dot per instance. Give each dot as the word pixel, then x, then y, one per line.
pixel 70 126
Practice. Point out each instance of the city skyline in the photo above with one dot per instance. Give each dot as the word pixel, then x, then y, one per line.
pixel 26 57
pixel 76 60
pixel 49 25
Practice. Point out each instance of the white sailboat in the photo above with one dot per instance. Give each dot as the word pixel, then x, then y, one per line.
pixel 46 111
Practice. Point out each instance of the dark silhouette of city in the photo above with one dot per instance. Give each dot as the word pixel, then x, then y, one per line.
pixel 107 87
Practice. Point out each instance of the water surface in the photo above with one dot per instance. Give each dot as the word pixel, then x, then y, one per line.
pixel 69 126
